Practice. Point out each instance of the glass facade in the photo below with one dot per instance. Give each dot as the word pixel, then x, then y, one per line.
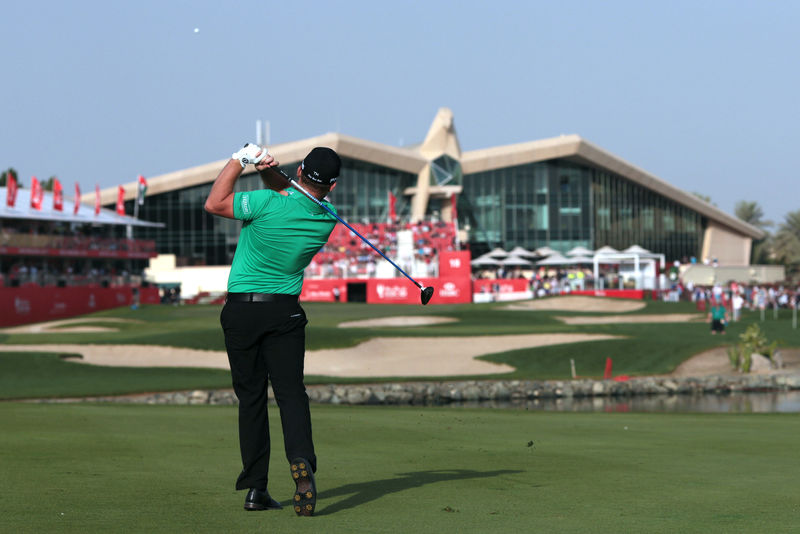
pixel 562 205
pixel 198 238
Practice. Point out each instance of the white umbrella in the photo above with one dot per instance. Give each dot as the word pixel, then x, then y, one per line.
pixel 484 261
pixel 554 259
pixel 497 253
pixel 606 250
pixel 581 259
pixel 636 249
pixel 515 261
pixel 544 251
pixel 580 251
pixel 519 251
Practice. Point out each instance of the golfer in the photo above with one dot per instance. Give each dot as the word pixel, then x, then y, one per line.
pixel 263 322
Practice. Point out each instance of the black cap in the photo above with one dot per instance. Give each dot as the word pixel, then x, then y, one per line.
pixel 321 165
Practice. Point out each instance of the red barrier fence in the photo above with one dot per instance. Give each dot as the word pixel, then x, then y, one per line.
pixel 614 293
pixel 33 304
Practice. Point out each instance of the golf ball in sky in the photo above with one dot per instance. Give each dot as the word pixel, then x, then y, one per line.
pixel 196 30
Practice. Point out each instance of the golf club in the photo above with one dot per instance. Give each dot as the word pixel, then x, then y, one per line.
pixel 425 292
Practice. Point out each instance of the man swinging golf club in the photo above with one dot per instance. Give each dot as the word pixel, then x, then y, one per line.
pixel 263 322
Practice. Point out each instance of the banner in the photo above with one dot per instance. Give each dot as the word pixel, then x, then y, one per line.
pixel 33 304
pixel 454 263
pixel 96 199
pixel 401 291
pixel 392 207
pixel 142 189
pixel 58 195
pixel 324 291
pixel 77 199
pixel 37 194
pixel 121 200
pixel 11 190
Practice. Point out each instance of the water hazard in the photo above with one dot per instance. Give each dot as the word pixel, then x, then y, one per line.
pixel 736 402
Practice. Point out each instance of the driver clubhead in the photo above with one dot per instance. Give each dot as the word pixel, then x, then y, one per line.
pixel 425 296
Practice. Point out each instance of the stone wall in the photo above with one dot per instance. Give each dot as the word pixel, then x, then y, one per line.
pixel 442 393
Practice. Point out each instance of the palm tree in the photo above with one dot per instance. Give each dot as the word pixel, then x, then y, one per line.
pixel 786 244
pixel 752 214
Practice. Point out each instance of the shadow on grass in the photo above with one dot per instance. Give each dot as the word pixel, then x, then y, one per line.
pixel 364 492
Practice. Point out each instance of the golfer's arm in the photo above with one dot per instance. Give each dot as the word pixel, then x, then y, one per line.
pixel 220 199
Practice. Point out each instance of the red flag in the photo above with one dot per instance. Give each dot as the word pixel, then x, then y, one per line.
pixel 77 199
pixel 453 212
pixel 11 190
pixel 96 199
pixel 36 194
pixel 58 195
pixel 392 211
pixel 121 200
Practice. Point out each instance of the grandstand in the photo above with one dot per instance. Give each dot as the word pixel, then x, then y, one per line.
pixel 56 263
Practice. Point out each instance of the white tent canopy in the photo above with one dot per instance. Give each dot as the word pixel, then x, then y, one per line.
pixel 554 259
pixel 519 251
pixel 633 254
pixel 515 261
pixel 580 251
pixel 544 251
pixel 485 261
pixel 497 253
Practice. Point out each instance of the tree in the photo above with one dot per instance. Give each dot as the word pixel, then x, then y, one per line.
pixel 786 243
pixel 703 197
pixel 751 213
pixel 49 184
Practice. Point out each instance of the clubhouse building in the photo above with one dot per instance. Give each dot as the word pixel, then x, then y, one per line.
pixel 562 192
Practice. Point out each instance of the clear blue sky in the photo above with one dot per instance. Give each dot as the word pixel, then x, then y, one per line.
pixel 703 94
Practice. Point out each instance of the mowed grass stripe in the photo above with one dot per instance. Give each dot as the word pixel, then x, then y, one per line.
pixel 110 468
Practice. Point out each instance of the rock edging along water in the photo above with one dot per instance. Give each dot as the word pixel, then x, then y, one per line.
pixel 441 393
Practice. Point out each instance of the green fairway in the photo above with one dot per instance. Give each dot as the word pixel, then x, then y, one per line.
pixel 642 348
pixel 111 468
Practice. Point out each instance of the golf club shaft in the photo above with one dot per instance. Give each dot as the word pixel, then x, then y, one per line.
pixel 300 188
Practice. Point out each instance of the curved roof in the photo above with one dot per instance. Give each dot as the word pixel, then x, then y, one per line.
pixel 582 151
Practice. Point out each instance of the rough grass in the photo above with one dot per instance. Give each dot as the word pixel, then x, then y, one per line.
pixel 109 468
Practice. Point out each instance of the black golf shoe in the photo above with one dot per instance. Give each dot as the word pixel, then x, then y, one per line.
pixel 260 500
pixel 305 496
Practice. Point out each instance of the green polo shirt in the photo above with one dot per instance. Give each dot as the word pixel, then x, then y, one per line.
pixel 280 234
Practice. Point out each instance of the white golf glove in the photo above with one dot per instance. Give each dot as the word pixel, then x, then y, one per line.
pixel 247 154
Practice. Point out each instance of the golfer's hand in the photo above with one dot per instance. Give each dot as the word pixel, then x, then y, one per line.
pixel 250 153
pixel 266 162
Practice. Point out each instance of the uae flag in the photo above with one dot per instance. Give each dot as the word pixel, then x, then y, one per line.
pixel 77 199
pixel 142 189
pixel 11 189
pixel 58 195
pixel 37 194
pixel 96 199
pixel 121 200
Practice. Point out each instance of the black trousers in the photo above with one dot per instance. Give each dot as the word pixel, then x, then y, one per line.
pixel 266 341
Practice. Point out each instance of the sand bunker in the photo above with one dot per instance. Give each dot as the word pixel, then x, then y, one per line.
pixel 380 357
pixel 62 326
pixel 613 319
pixel 578 304
pixel 716 362
pixel 398 321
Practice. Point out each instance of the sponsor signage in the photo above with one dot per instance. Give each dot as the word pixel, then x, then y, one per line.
pixel 76 253
pixel 614 293
pixel 33 304
pixel 448 290
pixel 324 290
pixel 510 285
pixel 454 263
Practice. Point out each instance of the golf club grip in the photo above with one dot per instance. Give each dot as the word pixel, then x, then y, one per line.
pixel 300 188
